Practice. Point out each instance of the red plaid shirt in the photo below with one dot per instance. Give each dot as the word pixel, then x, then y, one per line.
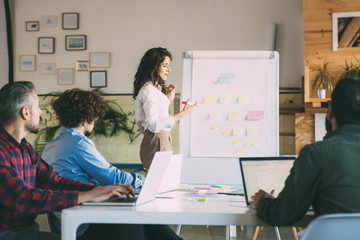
pixel 29 186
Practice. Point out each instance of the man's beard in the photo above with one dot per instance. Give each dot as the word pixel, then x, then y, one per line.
pixel 88 133
pixel 33 128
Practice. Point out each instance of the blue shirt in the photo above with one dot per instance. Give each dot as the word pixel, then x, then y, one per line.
pixel 75 156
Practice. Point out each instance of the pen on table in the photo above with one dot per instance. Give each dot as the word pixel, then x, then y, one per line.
pixel 231 193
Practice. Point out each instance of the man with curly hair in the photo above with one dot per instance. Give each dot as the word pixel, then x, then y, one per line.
pixel 75 156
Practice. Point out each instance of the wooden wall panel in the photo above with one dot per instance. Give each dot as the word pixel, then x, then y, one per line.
pixel 304 130
pixel 318 35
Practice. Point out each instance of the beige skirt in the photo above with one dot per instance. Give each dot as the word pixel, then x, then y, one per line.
pixel 154 142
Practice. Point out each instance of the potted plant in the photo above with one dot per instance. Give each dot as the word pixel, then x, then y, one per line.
pixel 351 69
pixel 324 79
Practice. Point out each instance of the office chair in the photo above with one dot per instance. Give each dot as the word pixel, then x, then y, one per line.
pixel 334 226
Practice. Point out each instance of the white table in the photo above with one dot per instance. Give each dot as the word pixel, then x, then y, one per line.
pixel 162 211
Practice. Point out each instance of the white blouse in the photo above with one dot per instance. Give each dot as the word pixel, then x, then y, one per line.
pixel 152 110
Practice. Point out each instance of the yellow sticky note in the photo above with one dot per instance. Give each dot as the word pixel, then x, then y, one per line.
pixel 242 98
pixel 251 131
pixel 240 149
pixel 215 126
pixel 238 130
pixel 214 115
pixel 209 98
pixel 226 132
pixel 247 143
pixel 236 141
pixel 233 115
pixel 255 143
pixel 225 98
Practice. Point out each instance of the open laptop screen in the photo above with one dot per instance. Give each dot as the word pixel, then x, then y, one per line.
pixel 266 173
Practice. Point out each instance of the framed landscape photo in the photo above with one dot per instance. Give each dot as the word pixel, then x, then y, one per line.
pixel 65 76
pixel 32 26
pixel 48 21
pixel 27 63
pixel 98 79
pixel 46 45
pixel 82 65
pixel 346 32
pixel 75 42
pixel 99 59
pixel 47 68
pixel 70 21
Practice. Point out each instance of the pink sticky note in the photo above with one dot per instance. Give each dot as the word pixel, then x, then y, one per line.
pixel 255 115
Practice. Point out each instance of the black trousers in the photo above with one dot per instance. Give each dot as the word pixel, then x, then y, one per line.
pixel 129 232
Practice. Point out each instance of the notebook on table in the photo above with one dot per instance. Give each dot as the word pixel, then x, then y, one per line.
pixel 150 188
pixel 266 173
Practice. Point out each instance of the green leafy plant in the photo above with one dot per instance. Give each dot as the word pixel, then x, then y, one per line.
pixel 115 122
pixel 325 76
pixel 351 69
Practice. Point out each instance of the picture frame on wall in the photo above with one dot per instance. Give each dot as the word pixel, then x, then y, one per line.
pixel 70 21
pixel 32 26
pixel 82 65
pixel 27 63
pixel 47 68
pixel 99 59
pixel 65 76
pixel 346 30
pixel 48 21
pixel 98 79
pixel 75 42
pixel 46 45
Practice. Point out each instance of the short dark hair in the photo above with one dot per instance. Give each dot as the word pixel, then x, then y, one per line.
pixel 13 97
pixel 345 101
pixel 75 106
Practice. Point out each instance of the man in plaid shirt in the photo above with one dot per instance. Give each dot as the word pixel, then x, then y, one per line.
pixel 28 185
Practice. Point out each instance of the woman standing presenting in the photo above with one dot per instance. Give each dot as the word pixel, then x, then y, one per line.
pixel 153 98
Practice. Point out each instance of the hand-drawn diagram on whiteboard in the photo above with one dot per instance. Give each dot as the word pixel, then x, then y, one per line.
pixel 238 115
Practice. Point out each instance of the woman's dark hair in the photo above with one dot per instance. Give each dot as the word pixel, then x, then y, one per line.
pixel 345 101
pixel 148 69
pixel 75 106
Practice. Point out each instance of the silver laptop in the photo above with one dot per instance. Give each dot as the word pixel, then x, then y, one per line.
pixel 150 188
pixel 172 175
pixel 266 173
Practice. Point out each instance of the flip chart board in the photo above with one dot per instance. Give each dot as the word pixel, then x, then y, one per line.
pixel 238 115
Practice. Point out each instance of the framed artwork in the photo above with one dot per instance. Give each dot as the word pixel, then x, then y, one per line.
pixel 27 63
pixel 99 59
pixel 70 21
pixel 346 32
pixel 98 79
pixel 65 76
pixel 47 68
pixel 75 42
pixel 32 26
pixel 82 65
pixel 46 45
pixel 48 21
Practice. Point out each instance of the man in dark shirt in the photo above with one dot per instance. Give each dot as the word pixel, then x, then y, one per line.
pixel 28 185
pixel 326 173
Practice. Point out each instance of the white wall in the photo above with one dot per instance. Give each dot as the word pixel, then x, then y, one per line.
pixel 128 28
